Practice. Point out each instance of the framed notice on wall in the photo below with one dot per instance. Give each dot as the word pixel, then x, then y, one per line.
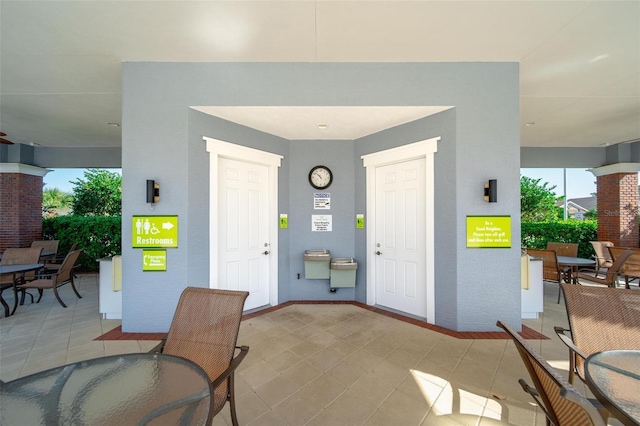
pixel 488 231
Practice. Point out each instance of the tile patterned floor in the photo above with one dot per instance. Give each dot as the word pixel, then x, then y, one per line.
pixel 317 365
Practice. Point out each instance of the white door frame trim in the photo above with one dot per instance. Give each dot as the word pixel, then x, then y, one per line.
pixel 424 149
pixel 217 149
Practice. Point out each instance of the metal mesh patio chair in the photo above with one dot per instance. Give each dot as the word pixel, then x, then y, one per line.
pixel 48 246
pixel 610 276
pixel 603 257
pixel 631 268
pixel 564 249
pixel 53 280
pixel 204 330
pixel 55 262
pixel 17 256
pixel 560 402
pixel 551 271
pixel 600 319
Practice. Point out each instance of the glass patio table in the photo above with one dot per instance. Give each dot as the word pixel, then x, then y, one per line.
pixel 14 270
pixel 614 379
pixel 124 389
pixel 574 263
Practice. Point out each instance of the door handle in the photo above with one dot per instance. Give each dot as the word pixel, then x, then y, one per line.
pixel 378 252
pixel 265 252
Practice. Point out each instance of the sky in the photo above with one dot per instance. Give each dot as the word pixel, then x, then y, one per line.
pixel 61 178
pixel 580 182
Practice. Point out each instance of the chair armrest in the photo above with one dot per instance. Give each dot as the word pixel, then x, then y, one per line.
pixel 235 362
pixel 567 341
pixel 157 349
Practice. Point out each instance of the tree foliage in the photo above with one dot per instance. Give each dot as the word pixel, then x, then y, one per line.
pixel 53 200
pixel 97 236
pixel 98 194
pixel 538 201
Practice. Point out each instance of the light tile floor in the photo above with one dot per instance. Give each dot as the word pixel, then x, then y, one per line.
pixel 318 364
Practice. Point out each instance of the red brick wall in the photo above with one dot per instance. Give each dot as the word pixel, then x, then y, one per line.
pixel 20 209
pixel 618 209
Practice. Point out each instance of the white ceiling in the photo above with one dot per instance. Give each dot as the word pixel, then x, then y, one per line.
pixel 60 61
pixel 319 123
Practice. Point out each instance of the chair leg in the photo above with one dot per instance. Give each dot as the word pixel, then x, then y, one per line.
pixel 572 366
pixel 559 292
pixel 40 292
pixel 15 299
pixel 73 286
pixel 4 305
pixel 23 294
pixel 232 401
pixel 55 291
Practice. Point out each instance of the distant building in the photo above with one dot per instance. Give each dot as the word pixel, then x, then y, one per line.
pixel 577 207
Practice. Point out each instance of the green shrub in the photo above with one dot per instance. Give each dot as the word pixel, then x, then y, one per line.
pixel 537 234
pixel 98 236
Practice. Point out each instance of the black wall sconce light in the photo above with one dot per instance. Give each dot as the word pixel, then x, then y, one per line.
pixel 153 191
pixel 491 191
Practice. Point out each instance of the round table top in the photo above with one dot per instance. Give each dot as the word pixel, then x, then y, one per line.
pixel 12 269
pixel 577 261
pixel 119 389
pixel 614 378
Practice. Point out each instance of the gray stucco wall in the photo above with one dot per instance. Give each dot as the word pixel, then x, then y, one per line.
pixel 338 156
pixel 162 140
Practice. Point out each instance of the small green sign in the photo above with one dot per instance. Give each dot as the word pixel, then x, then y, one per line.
pixel 360 221
pixel 488 231
pixel 154 260
pixel 284 221
pixel 154 231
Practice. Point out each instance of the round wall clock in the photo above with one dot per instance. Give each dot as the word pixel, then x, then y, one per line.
pixel 320 177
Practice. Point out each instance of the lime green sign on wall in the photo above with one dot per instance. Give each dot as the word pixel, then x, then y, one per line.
pixel 154 231
pixel 488 231
pixel 154 260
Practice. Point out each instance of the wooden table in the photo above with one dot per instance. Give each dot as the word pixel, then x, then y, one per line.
pixel 15 270
pixel 130 389
pixel 614 379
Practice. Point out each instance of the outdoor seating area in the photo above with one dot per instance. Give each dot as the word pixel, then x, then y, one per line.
pixel 321 364
pixel 36 268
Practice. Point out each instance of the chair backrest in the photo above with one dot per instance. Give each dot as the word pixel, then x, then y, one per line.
pixel 564 249
pixel 205 330
pixel 603 256
pixel 47 245
pixel 631 267
pixel 21 256
pixel 550 268
pixel 602 318
pixel 553 388
pixel 65 273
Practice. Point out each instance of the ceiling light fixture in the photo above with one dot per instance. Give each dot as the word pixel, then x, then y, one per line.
pixel 322 126
pixel 529 124
pixel 605 144
pixel 113 124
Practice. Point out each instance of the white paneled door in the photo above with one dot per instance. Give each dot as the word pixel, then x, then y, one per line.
pixel 400 234
pixel 243 234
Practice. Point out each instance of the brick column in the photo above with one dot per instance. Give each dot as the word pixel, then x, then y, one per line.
pixel 20 204
pixel 618 208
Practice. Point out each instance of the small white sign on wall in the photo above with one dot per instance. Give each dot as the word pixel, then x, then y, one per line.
pixel 321 223
pixel 321 201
